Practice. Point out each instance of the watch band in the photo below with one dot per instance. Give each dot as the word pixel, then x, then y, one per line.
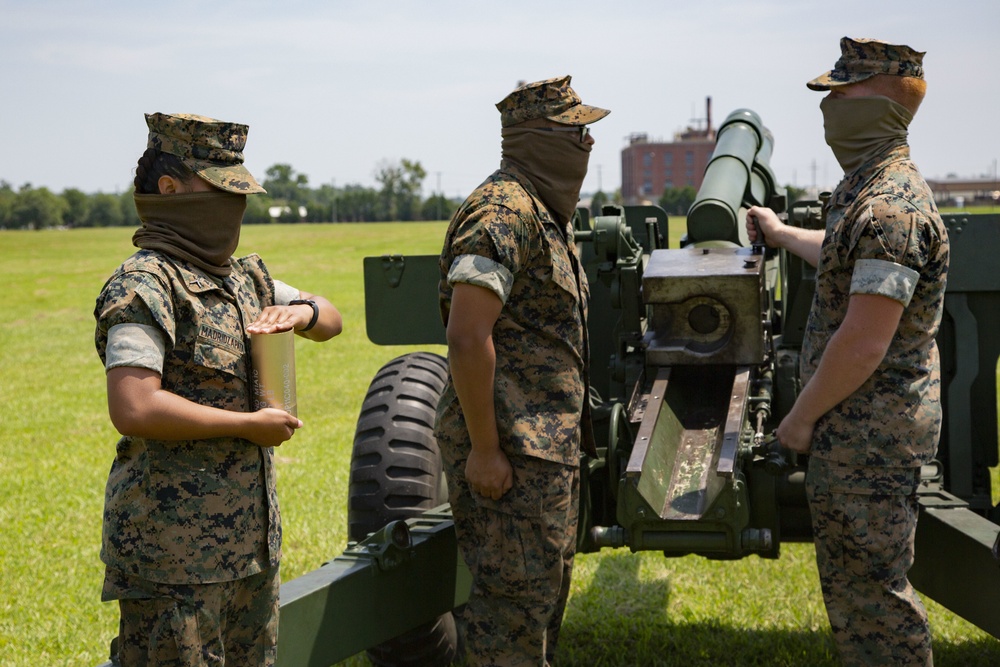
pixel 307 302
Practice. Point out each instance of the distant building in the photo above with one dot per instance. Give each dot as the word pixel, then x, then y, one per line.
pixel 650 167
pixel 962 192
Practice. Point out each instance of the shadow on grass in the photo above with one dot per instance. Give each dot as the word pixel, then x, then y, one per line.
pixel 620 620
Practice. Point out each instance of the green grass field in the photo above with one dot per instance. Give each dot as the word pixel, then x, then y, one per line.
pixel 56 444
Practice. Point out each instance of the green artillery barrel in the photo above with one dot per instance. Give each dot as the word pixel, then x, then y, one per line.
pixel 738 173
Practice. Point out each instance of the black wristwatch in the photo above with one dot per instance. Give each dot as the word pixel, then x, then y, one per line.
pixel 307 302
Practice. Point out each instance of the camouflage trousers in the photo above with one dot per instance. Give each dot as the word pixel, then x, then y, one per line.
pixel 864 520
pixel 231 623
pixel 519 550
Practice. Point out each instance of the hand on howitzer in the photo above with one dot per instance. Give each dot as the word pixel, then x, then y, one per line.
pixel 768 223
pixel 269 427
pixel 795 435
pixel 489 473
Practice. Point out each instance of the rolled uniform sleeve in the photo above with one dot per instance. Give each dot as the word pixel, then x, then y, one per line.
pixel 884 278
pixel 887 250
pixel 135 345
pixel 284 293
pixel 133 323
pixel 489 249
pixel 482 272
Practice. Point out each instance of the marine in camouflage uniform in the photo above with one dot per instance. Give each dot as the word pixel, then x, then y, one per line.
pixel 192 530
pixel 225 482
pixel 883 237
pixel 513 239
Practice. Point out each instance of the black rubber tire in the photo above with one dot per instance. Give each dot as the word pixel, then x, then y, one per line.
pixel 396 474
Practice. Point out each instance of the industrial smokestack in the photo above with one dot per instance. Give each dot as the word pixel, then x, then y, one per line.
pixel 708 116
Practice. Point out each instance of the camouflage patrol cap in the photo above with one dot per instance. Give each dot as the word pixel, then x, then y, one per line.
pixel 862 59
pixel 213 149
pixel 552 99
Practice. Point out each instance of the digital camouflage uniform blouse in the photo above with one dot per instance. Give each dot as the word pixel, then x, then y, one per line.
pixel 504 239
pixel 191 511
pixel 883 236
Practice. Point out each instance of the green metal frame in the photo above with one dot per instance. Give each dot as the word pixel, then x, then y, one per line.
pixel 956 561
pixel 407 574
pixel 372 593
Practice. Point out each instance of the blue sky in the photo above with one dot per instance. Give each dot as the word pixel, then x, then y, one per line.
pixel 335 88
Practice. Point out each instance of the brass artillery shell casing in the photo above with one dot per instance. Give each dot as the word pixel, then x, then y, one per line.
pixel 273 373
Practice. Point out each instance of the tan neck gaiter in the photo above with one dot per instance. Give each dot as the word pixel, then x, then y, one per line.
pixel 556 163
pixel 861 128
pixel 202 227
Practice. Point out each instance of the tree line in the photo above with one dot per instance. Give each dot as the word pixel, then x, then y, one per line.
pixel 289 199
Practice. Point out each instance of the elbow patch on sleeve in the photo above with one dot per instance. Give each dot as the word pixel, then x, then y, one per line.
pixel 135 345
pixel 482 272
pixel 884 278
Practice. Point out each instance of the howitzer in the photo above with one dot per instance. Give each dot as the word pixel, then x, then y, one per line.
pixel 694 362
pixel 699 476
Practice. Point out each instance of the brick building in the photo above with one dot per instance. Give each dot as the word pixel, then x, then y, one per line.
pixel 650 167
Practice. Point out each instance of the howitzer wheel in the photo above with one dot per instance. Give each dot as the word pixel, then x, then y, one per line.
pixel 396 474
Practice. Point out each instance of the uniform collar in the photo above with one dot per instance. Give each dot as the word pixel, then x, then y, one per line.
pixel 852 183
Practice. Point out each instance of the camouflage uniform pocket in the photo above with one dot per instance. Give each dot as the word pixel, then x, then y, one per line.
pixel 161 630
pixel 524 500
pixel 219 358
pixel 878 534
